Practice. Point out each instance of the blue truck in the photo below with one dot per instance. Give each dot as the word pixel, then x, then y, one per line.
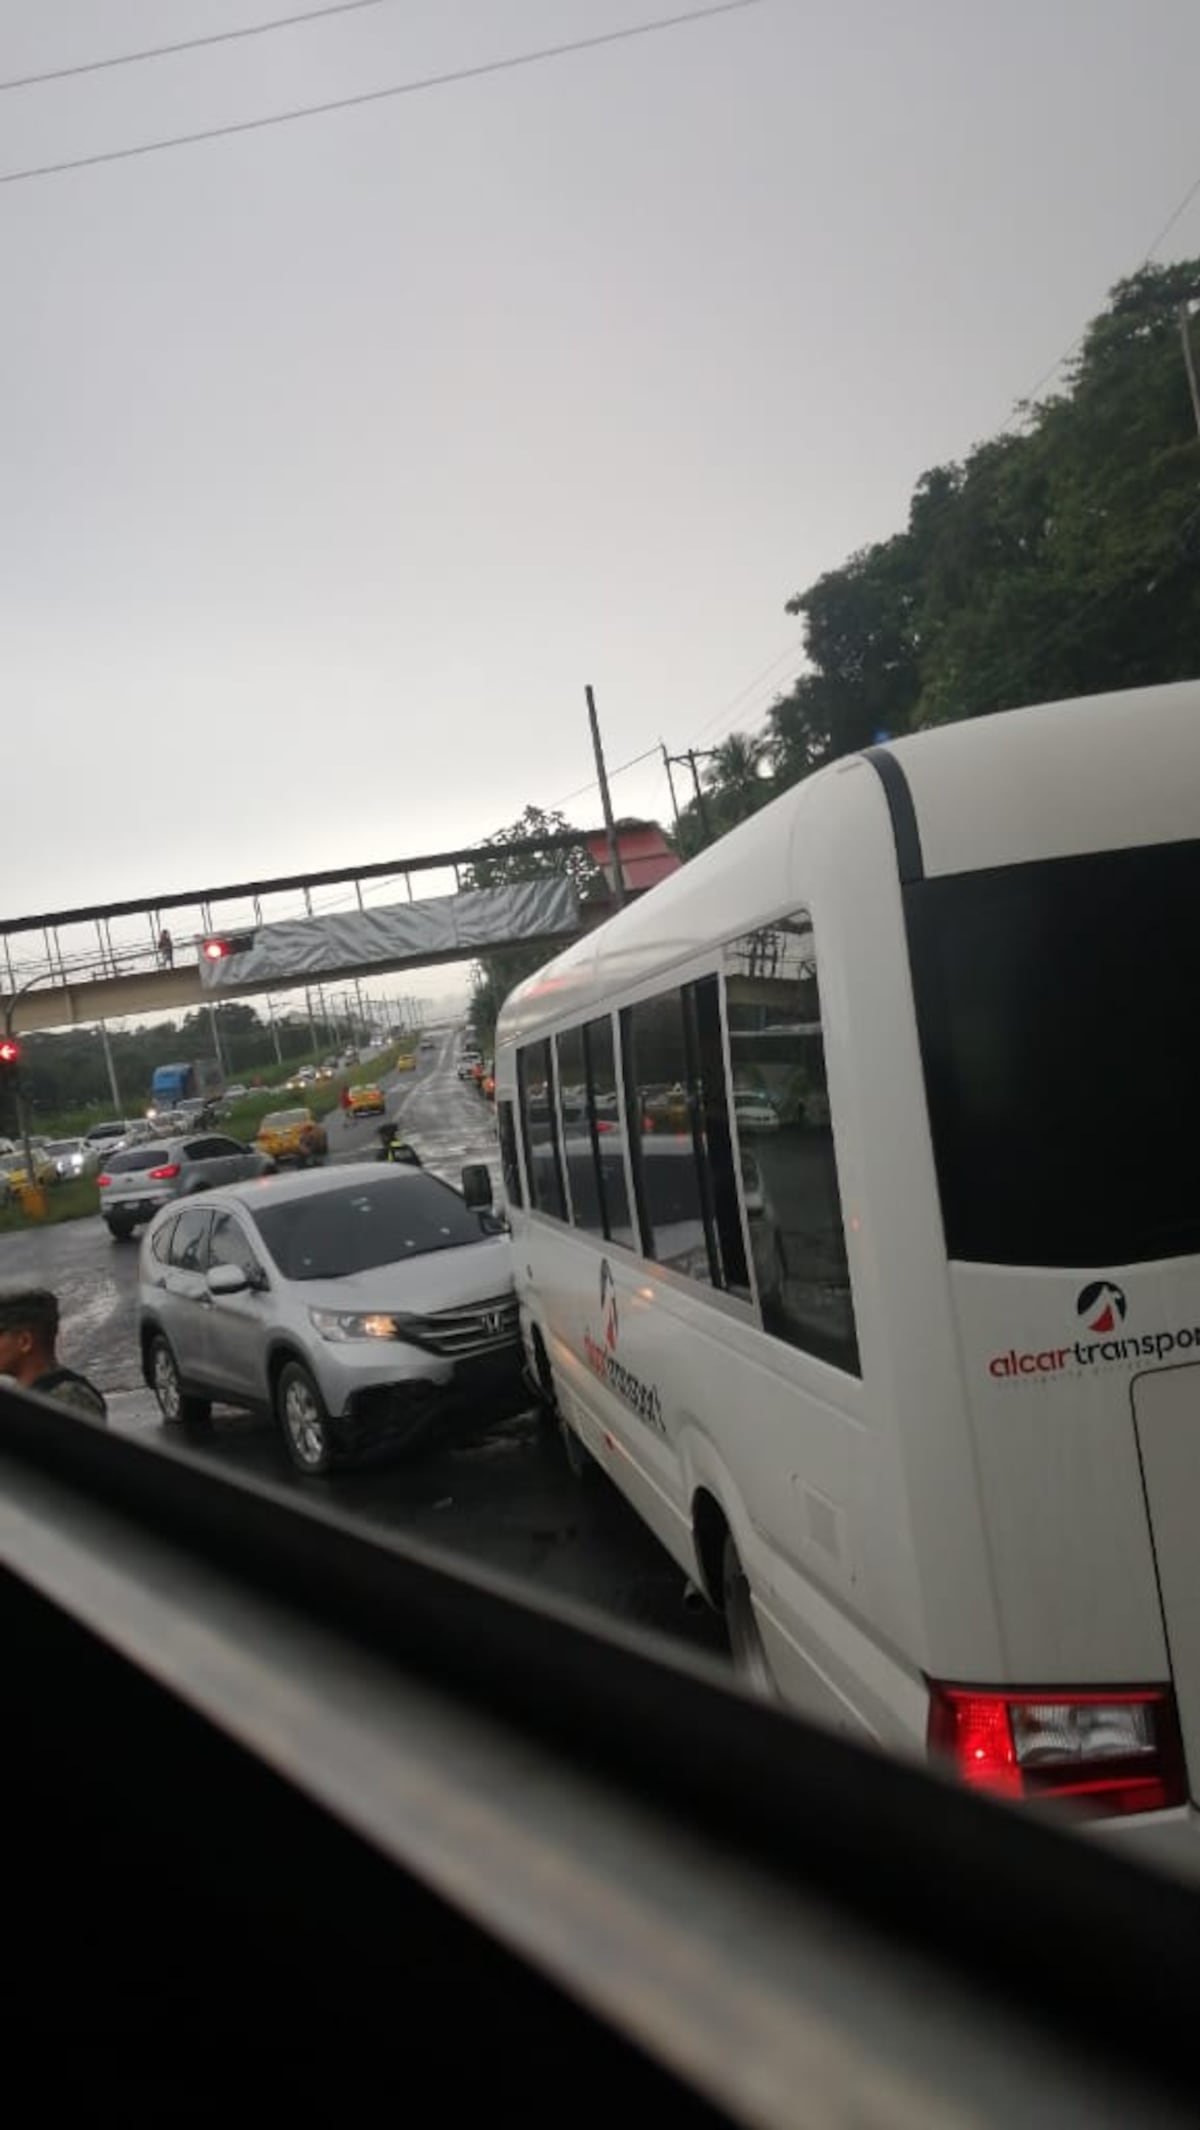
pixel 199 1081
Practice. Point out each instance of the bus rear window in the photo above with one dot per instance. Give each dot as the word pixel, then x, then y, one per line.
pixel 1059 1013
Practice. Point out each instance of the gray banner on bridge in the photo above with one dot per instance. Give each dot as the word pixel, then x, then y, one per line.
pixel 352 942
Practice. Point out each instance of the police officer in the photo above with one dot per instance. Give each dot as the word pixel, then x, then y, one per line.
pixel 397 1149
pixel 28 1336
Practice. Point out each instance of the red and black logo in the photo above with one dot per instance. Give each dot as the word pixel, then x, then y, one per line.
pixel 1101 1306
pixel 608 1304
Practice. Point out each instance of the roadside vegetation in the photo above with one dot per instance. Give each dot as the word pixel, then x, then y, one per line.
pixel 79 1199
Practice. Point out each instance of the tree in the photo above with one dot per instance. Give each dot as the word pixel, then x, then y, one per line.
pixel 496 974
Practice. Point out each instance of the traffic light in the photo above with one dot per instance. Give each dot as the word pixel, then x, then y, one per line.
pixel 10 1051
pixel 223 944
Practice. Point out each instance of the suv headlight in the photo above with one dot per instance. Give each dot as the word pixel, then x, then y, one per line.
pixel 341 1324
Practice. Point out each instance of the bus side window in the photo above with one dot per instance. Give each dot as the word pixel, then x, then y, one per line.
pixel 609 1139
pixel 666 1138
pixel 785 1141
pixel 506 1125
pixel 535 1084
pixel 579 1153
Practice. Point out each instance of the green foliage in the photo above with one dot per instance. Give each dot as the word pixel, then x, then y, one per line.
pixel 1060 559
pixel 495 975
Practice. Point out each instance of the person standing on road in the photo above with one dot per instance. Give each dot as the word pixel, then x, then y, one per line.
pixel 28 1339
pixel 344 1097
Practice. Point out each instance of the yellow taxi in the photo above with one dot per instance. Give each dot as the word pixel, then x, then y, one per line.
pixel 407 1061
pixel 291 1135
pixel 14 1176
pixel 366 1101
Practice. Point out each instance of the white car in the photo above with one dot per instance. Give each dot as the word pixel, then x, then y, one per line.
pixel 754 1112
pixel 357 1305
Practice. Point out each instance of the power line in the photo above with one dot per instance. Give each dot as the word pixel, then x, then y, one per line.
pixel 374 96
pixel 188 44
pixel 620 769
pixel 1176 215
pixel 793 650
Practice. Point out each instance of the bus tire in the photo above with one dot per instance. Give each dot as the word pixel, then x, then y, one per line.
pixel 581 1464
pixel 547 1401
pixel 746 1645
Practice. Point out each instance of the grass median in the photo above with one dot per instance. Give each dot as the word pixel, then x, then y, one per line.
pixel 75 1200
pixel 79 1199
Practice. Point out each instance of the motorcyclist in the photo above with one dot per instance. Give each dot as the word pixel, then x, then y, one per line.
pixel 397 1149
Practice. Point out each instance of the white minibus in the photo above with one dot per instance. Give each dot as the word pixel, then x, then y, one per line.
pixel 854 1181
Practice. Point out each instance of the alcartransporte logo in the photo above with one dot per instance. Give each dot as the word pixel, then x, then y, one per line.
pixel 602 1358
pixel 1100 1307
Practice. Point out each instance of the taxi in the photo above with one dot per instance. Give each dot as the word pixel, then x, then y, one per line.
pixel 291 1135
pixel 366 1101
pixel 407 1061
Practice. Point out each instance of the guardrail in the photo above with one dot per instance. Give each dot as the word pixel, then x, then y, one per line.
pixel 637 1886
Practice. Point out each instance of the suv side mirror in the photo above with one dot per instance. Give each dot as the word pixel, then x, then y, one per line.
pixel 477 1185
pixel 228 1279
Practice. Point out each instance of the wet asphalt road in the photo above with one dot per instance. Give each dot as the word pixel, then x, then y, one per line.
pixel 497 1491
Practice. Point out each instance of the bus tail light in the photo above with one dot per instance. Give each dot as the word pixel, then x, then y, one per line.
pixel 1107 1753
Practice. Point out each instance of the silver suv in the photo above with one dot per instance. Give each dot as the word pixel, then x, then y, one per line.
pixel 357 1305
pixel 137 1181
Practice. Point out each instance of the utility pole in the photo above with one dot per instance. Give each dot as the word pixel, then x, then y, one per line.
pixel 1189 358
pixel 701 805
pixel 118 1107
pixel 614 855
pixel 274 1030
pixel 667 762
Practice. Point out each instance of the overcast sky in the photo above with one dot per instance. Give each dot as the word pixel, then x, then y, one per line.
pixel 338 457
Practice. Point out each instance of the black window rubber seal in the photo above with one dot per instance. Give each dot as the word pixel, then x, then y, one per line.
pixel 903 812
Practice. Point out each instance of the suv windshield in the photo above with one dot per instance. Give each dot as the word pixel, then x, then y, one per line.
pixel 1059 1017
pixel 354 1230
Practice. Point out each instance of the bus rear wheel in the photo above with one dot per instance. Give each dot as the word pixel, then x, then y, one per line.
pixel 748 1649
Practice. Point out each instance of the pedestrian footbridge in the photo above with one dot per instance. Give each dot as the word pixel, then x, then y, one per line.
pixel 108 961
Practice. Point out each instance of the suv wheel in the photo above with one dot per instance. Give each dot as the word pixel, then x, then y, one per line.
pixel 177 1406
pixel 119 1229
pixel 304 1421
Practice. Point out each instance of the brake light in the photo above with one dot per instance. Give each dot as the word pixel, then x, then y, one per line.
pixel 164 1174
pixel 1108 1753
pixel 103 1181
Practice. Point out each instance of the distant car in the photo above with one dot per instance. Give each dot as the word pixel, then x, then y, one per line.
pixel 754 1112
pixel 366 1102
pixel 292 1135
pixel 427 1042
pixel 138 1181
pixel 305 1074
pixel 236 1093
pixel 465 1064
pixel 102 1140
pixel 68 1155
pixel 406 1061
pixel 356 1307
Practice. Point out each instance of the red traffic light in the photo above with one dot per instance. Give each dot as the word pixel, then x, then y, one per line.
pixel 222 944
pixel 10 1051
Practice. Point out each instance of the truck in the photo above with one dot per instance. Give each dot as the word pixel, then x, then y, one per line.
pixel 200 1080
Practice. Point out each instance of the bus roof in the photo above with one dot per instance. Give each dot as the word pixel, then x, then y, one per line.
pixel 1101 772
